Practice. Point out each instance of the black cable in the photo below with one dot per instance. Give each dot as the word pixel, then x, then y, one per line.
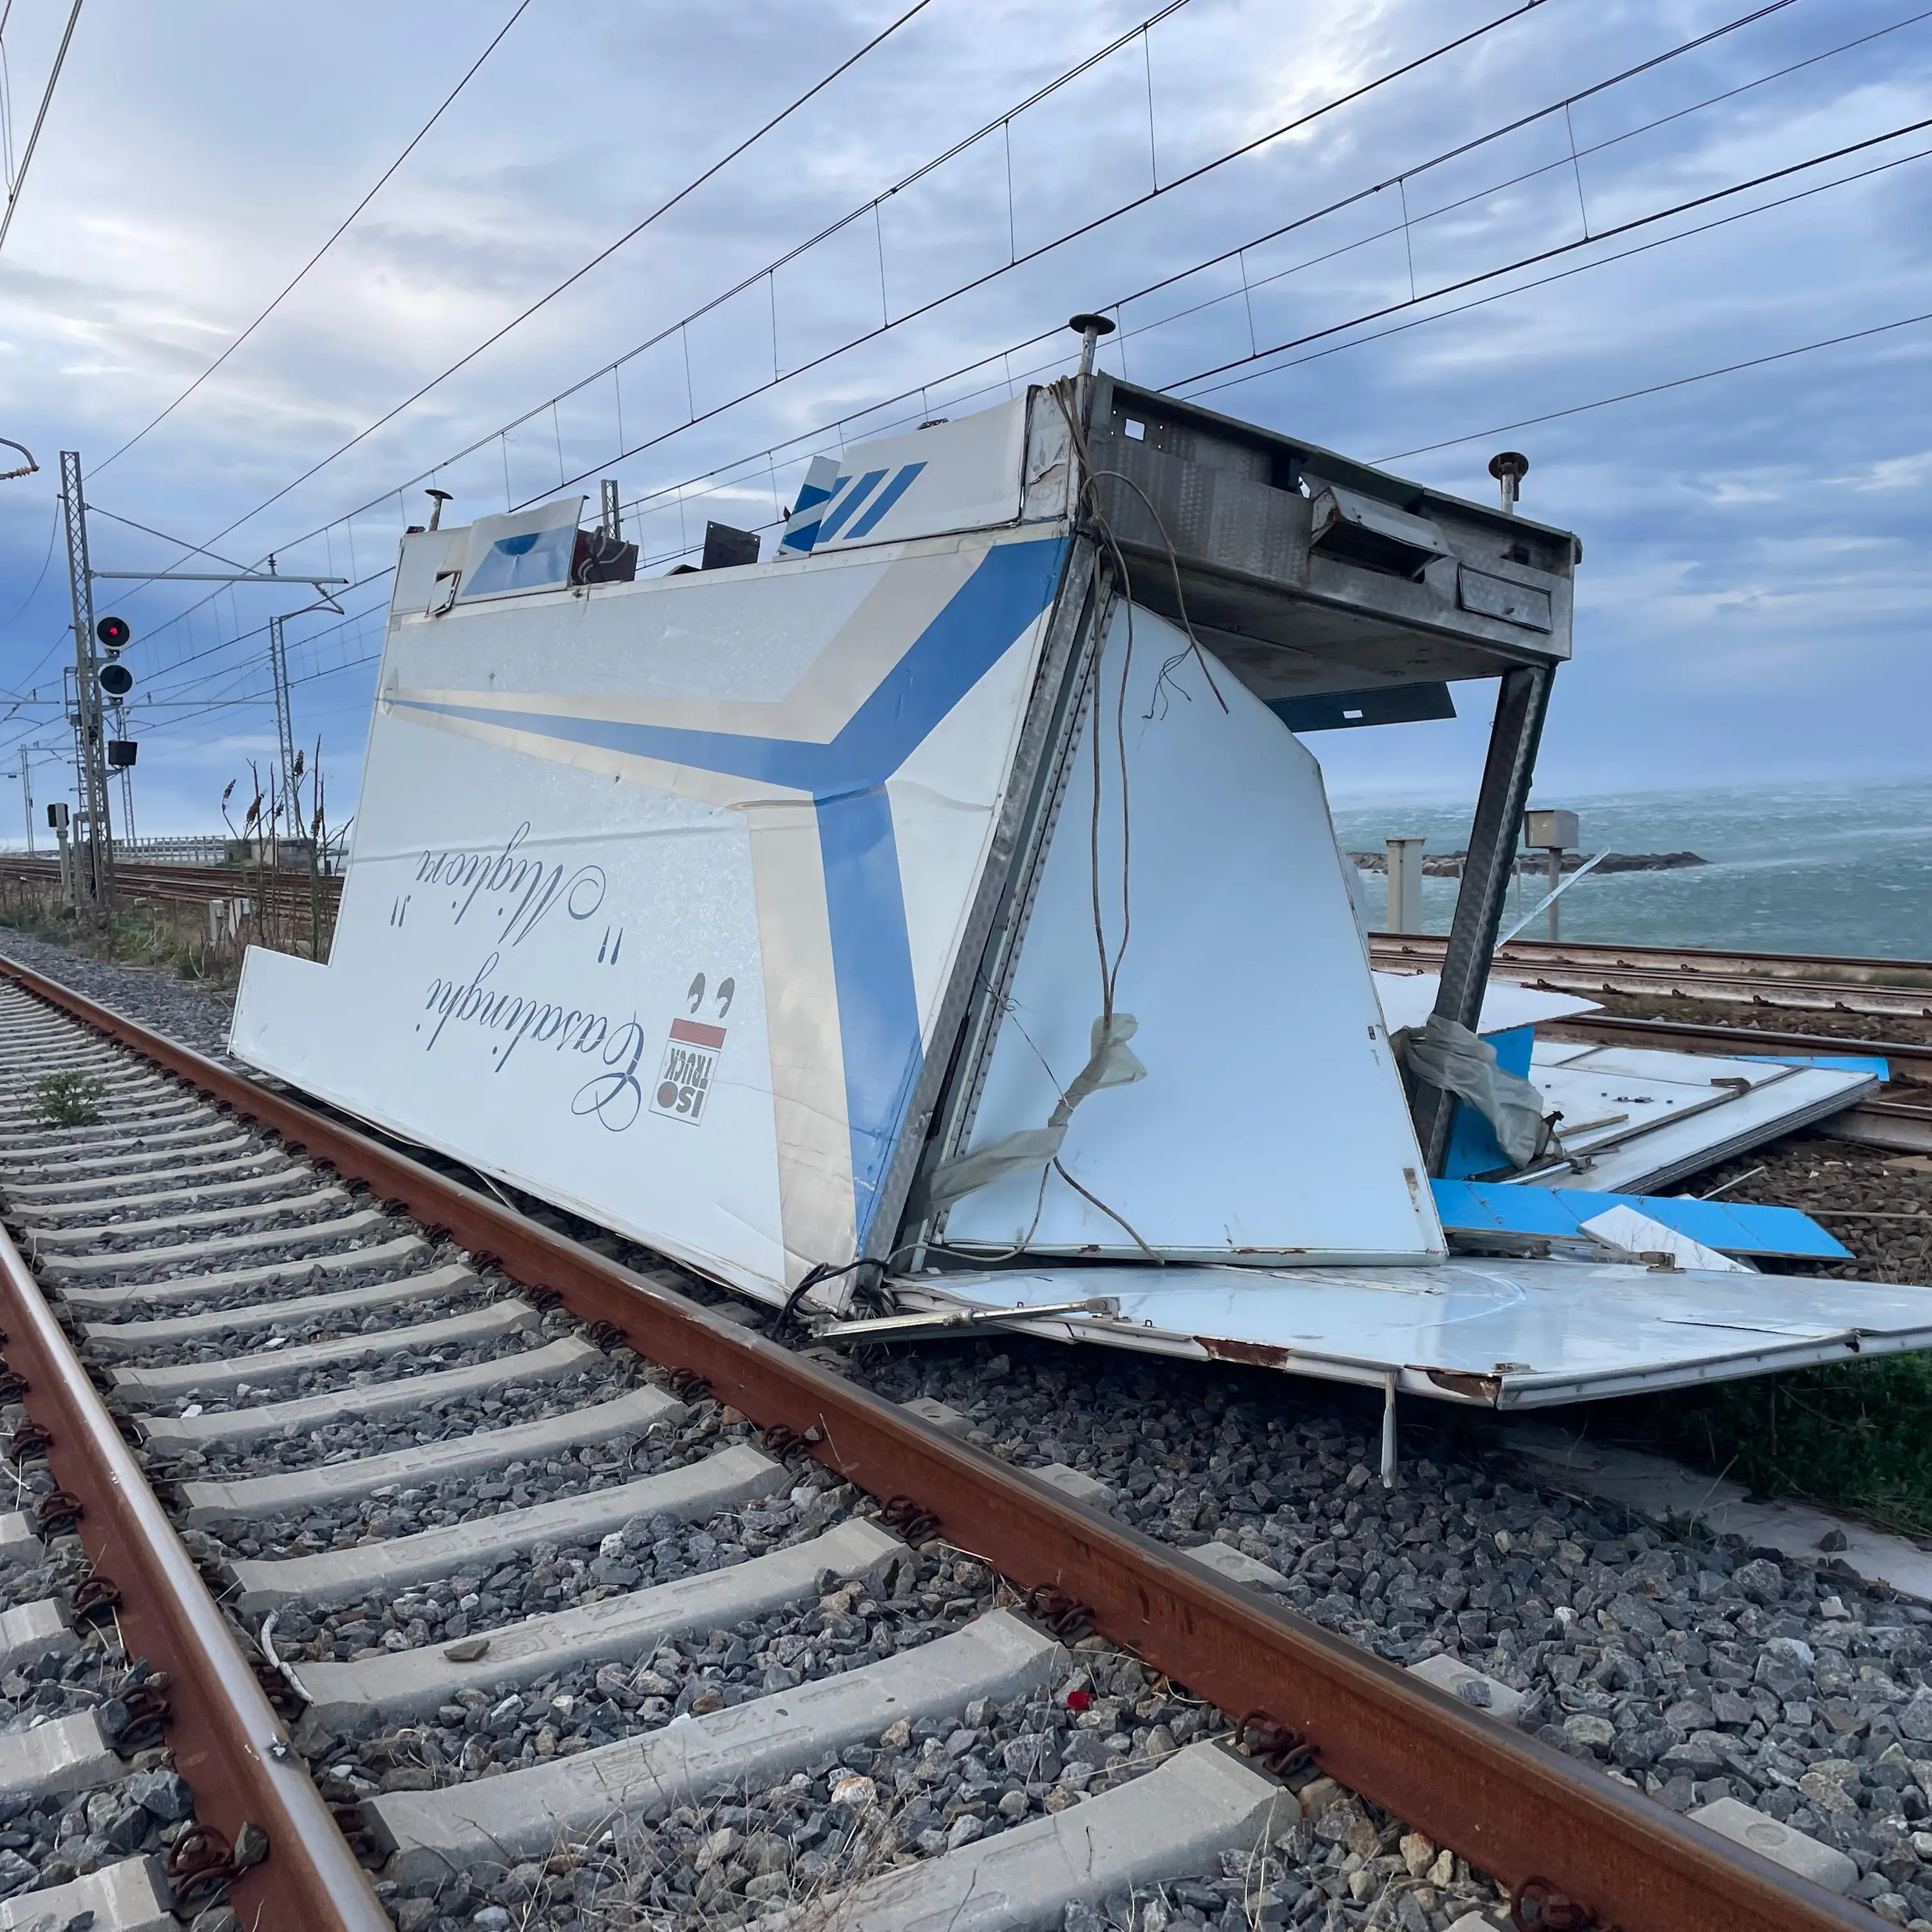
pixel 1562 248
pixel 469 74
pixel 1658 388
pixel 19 610
pixel 33 139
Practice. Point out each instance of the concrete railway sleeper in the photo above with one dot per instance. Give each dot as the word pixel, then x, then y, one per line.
pixel 590 1606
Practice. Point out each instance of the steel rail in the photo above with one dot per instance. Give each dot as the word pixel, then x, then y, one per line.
pixel 226 1738
pixel 1911 1060
pixel 177 882
pixel 1507 1803
pixel 1793 996
pixel 1828 996
pixel 1722 962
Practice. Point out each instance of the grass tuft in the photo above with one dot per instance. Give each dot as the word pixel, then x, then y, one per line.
pixel 1854 1435
pixel 68 1099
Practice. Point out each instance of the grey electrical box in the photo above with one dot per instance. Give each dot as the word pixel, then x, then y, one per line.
pixel 1550 831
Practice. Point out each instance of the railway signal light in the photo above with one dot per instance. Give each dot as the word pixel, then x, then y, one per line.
pixel 114 633
pixel 114 679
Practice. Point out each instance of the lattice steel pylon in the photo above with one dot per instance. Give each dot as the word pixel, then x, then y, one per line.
pixel 94 854
pixel 285 724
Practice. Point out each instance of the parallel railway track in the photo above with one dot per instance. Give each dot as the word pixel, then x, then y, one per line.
pixel 283 1307
pixel 1814 983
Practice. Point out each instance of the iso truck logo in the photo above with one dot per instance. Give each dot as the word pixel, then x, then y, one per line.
pixel 684 1080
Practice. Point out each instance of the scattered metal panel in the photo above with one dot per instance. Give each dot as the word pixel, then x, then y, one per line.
pixel 1908 1062
pixel 1385 704
pixel 1636 1120
pixel 1408 999
pixel 1475 1207
pixel 1879 1069
pixel 1509 1333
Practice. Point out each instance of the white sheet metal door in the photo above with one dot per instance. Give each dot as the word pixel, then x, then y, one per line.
pixel 1272 1122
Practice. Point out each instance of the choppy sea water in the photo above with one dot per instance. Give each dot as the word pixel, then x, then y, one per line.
pixel 1802 868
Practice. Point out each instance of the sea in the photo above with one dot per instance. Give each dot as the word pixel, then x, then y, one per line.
pixel 1797 869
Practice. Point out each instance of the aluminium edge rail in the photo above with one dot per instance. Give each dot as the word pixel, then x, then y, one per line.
pixel 1509 1804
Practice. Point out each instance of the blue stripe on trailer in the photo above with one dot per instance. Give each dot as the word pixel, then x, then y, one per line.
pixel 1731 1227
pixel 878 1010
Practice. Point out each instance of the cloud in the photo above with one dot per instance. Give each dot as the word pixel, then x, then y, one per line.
pixel 1754 567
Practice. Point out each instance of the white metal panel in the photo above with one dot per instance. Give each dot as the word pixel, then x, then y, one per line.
pixel 1408 999
pixel 625 923
pixel 959 475
pixel 526 551
pixel 1272 1120
pixel 1639 1119
pixel 1512 1333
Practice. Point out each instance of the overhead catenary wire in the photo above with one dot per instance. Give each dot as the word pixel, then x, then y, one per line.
pixel 1674 383
pixel 341 229
pixel 596 261
pixel 19 179
pixel 19 610
pixel 1332 348
pixel 1158 189
pixel 1474 435
pixel 1699 40
pixel 1422 299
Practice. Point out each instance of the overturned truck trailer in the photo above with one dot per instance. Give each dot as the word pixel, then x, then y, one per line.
pixel 939 922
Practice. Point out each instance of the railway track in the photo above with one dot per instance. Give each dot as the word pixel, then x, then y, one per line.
pixel 493 1583
pixel 1818 983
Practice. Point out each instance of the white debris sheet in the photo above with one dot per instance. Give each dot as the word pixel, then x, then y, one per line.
pixel 1408 999
pixel 1637 1119
pixel 1507 1334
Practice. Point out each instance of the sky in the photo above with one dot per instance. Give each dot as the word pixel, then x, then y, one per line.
pixel 1457 243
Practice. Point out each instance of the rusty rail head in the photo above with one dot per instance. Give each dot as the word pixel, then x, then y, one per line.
pixel 227 1741
pixel 1911 1059
pixel 1507 1803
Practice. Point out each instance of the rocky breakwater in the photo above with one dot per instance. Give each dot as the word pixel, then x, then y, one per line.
pixel 1449 865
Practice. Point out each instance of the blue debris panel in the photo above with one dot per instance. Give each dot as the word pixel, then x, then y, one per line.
pixel 1731 1227
pixel 1839 1063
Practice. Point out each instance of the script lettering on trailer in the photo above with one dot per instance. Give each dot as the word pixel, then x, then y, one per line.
pixel 526 890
